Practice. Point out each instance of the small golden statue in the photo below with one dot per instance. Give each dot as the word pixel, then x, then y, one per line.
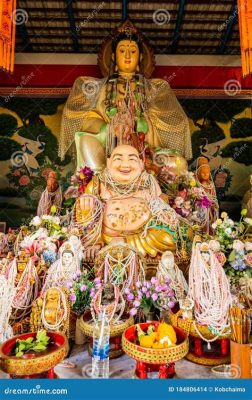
pixel 51 311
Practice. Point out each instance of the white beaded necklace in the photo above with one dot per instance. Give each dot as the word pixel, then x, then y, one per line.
pixel 26 291
pixel 7 293
pixel 210 291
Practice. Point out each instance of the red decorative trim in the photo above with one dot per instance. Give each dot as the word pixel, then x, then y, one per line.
pixel 64 92
pixel 179 77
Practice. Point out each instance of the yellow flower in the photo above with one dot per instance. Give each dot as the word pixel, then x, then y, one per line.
pixel 193 183
pixel 224 215
pixel 244 212
pixel 53 209
pixel 82 176
pixel 218 221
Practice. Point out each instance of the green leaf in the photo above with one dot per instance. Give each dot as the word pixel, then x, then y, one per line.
pixel 150 329
pixel 20 354
pixel 112 112
pixel 29 340
pixel 231 256
pixel 142 125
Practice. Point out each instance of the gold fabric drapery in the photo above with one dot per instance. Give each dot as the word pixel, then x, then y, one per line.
pixel 7 34
pixel 84 112
pixel 245 27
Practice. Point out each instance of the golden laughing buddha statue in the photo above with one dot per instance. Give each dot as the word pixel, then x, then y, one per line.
pixel 124 202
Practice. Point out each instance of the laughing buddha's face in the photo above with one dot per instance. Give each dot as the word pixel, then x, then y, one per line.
pixel 124 164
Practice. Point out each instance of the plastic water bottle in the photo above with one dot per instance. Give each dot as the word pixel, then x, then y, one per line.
pixel 100 359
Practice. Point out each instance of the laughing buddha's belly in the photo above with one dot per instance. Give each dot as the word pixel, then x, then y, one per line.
pixel 125 216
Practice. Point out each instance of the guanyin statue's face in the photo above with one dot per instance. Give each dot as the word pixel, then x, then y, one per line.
pixel 67 258
pixel 127 56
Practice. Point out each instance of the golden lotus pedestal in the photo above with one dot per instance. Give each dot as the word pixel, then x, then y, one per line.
pixel 199 353
pixel 33 365
pixel 150 360
pixel 87 327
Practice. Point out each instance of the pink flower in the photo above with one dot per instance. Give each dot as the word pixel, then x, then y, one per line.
pixel 148 295
pixel 72 297
pixel 127 291
pixel 136 303
pixel 97 280
pixel 238 245
pixel 78 273
pixel 144 289
pixel 248 259
pixel 83 288
pixel 248 246
pixel 130 296
pixel 154 297
pixel 171 304
pixel 154 280
pixel 214 245
pixel 24 180
pixel 17 172
pixel 158 288
pixel 138 285
pixel 147 284
pixel 69 284
pixel 133 312
pixel 221 257
pixel 165 288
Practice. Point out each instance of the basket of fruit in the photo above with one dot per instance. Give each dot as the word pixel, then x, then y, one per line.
pixel 155 343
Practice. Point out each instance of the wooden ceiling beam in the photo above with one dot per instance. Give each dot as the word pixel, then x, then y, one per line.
pixel 229 28
pixel 73 30
pixel 178 25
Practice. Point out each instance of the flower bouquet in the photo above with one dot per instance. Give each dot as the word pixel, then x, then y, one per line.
pixel 82 290
pixel 150 296
pixel 231 237
pixel 79 182
pixel 185 195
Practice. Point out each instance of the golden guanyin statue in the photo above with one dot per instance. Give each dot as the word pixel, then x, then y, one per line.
pixel 125 203
pixel 123 108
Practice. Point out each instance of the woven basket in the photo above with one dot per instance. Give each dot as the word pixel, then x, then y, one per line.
pixel 87 327
pixel 154 356
pixel 188 326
